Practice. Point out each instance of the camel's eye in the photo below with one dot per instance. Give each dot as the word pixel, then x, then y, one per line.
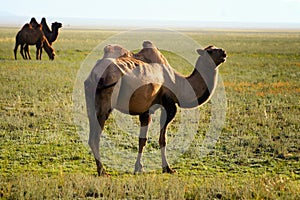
pixel 209 51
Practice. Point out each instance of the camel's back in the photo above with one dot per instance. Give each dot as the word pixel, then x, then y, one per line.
pixel 136 70
pixel 30 35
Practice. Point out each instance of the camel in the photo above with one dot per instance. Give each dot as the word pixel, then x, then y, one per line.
pixel 50 35
pixel 135 87
pixel 33 36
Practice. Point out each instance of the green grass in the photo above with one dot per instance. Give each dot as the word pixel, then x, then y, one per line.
pixel 256 156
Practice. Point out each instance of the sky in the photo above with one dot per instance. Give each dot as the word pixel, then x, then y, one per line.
pixel 254 11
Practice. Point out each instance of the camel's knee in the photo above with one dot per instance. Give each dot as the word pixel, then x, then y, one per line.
pixel 162 142
pixel 162 138
pixel 145 119
pixel 142 143
pixel 102 118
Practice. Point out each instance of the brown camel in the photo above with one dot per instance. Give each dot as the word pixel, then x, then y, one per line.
pixel 136 87
pixel 50 35
pixel 33 36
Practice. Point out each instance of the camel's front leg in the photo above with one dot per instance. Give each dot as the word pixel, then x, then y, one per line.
pixel 39 46
pixel 38 53
pixel 166 117
pixel 22 51
pixel 41 52
pixel 145 119
pixel 27 53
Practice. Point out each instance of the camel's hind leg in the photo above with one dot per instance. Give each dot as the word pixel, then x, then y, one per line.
pixel 17 45
pixel 145 119
pixel 15 50
pixel 166 117
pixel 98 108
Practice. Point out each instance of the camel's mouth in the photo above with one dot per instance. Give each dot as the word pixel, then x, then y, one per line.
pixel 223 56
pixel 57 24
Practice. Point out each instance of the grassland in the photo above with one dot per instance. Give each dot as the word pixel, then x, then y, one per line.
pixel 256 156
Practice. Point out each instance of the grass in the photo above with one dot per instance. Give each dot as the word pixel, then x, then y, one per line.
pixel 256 156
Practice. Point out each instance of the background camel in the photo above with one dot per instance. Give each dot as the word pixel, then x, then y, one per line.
pixel 33 36
pixel 50 35
pixel 139 86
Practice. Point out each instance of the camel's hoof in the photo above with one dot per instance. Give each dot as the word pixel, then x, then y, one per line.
pixel 168 170
pixel 102 172
pixel 138 168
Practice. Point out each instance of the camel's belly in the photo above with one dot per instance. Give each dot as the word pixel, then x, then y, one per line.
pixel 139 100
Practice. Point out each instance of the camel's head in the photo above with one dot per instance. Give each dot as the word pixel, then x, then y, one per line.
pixel 52 55
pixel 49 50
pixel 115 51
pixel 216 54
pixel 56 25
pixel 150 54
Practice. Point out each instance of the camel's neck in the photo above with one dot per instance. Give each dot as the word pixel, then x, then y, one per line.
pixel 199 86
pixel 49 50
pixel 54 34
pixel 46 28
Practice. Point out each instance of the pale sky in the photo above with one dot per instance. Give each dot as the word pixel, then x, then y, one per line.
pixel 262 11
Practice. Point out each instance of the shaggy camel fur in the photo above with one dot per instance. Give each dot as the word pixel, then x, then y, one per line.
pixel 135 87
pixel 33 36
pixel 50 35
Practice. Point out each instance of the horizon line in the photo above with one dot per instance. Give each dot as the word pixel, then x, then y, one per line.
pixel 75 22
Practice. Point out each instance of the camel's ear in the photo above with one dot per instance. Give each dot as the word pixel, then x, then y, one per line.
pixel 148 44
pixel 107 49
pixel 201 52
